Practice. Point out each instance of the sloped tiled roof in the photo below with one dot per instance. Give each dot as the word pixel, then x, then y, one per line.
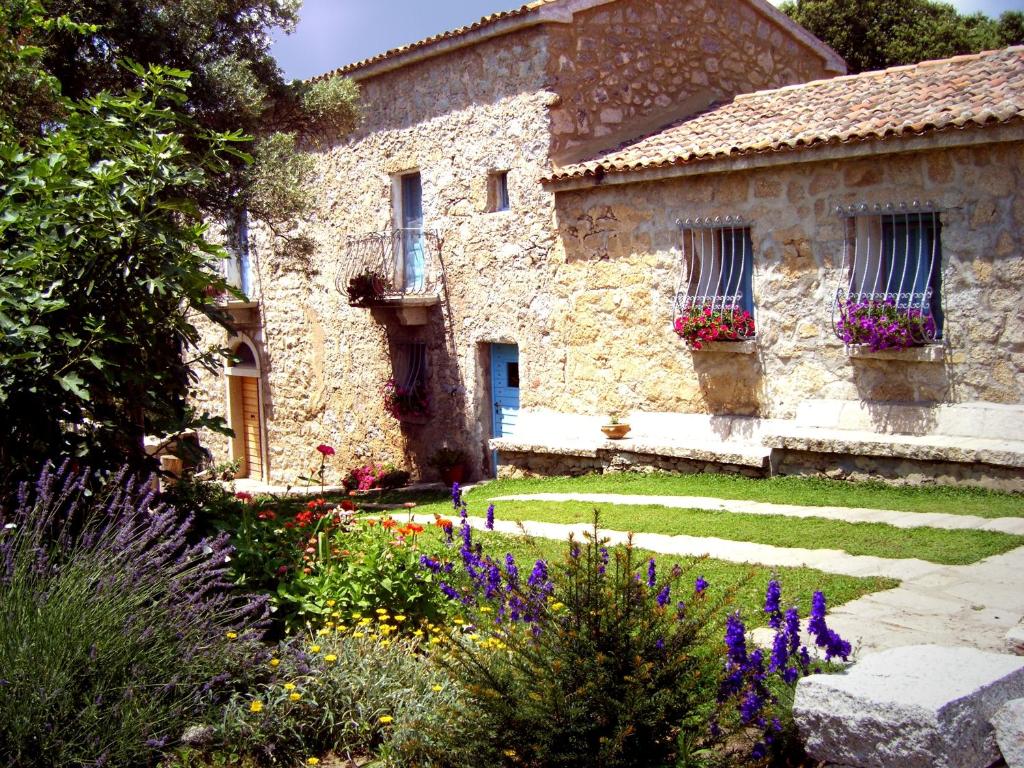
pixel 963 91
pixel 486 21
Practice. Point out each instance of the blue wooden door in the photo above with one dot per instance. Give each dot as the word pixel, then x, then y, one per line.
pixel 504 388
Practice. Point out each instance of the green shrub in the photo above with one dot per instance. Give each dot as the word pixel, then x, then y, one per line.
pixel 116 632
pixel 350 695
pixel 606 663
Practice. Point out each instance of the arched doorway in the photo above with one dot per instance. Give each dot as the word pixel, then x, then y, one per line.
pixel 245 411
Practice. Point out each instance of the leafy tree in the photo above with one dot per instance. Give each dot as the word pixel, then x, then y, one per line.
pixel 104 265
pixel 874 34
pixel 235 84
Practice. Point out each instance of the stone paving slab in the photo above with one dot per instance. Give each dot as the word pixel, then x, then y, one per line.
pixel 1013 525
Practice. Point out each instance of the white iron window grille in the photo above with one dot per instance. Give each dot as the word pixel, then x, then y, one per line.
pixel 890 296
pixel 716 279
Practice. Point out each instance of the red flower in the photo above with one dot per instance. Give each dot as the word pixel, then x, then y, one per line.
pixel 387 522
pixel 348 506
pixel 243 496
pixel 414 528
pixel 326 450
pixel 266 514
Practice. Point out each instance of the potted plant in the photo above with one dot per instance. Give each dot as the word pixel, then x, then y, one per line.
pixel 367 288
pixel 615 429
pixel 450 464
pixel 406 402
pixel 882 325
pixel 701 325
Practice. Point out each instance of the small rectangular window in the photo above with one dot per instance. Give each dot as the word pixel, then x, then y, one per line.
pixel 891 296
pixel 512 375
pixel 715 287
pixel 497 192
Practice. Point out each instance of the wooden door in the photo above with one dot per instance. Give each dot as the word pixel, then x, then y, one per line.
pixel 252 439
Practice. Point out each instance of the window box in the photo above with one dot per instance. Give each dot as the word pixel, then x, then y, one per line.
pixel 928 353
pixel 739 347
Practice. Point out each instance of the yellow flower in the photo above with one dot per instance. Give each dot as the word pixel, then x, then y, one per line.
pixel 365 622
pixel 274 662
pixel 357 615
pixel 342 628
pixel 232 635
pixel 289 686
pixel 418 633
pixel 437 688
pixel 399 618
pixel 358 634
pixel 382 611
pixel 485 609
pixel 331 603
pixel 385 719
pixel 510 753
pixel 295 696
pixel 557 606
pixel 313 761
pixel 256 706
pixel 314 649
pixel 323 632
pixel 330 658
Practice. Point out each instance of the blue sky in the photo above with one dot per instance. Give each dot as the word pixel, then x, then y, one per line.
pixel 333 33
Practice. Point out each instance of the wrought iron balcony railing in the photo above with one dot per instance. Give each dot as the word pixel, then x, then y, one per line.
pixel 389 267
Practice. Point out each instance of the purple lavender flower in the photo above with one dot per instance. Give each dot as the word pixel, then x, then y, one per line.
pixel 735 639
pixel 511 572
pixel 750 706
pixel 652 574
pixel 772 603
pixel 663 596
pixel 490 518
pixel 456 496
pixel 700 585
pixel 603 556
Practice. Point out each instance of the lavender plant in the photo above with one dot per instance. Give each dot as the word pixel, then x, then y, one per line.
pixel 600 660
pixel 116 630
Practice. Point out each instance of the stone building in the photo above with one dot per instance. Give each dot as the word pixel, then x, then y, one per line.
pixel 496 248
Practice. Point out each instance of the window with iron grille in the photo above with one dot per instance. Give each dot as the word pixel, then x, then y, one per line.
pixel 405 395
pixel 714 299
pixel 891 291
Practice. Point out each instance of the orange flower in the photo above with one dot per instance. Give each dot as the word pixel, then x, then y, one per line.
pixel 442 522
pixel 387 522
pixel 371 522
pixel 414 528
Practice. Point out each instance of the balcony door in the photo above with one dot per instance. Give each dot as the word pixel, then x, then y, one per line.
pixel 411 264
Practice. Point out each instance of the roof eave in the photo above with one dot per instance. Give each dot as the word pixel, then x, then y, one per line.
pixel 943 138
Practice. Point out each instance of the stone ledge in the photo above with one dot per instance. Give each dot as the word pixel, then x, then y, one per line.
pixel 955 449
pixel 931 353
pixel 748 347
pixel 740 455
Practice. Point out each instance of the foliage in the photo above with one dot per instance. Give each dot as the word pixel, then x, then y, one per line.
pixel 341 693
pixel 700 325
pixel 874 34
pixel 116 630
pixel 373 475
pixel 367 288
pixel 601 662
pixel 237 83
pixel 404 401
pixel 104 269
pixel 883 325
pixel 362 567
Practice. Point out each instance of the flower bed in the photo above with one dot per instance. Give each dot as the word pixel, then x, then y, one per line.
pixel 406 402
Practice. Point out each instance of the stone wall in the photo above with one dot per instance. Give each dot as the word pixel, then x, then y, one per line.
pixel 454 119
pixel 628 67
pixel 622 259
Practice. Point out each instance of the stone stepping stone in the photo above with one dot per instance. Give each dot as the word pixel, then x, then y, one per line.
pixel 920 706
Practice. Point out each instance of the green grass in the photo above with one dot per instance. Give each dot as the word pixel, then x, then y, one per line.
pixel 949 547
pixel 798 584
pixel 802 491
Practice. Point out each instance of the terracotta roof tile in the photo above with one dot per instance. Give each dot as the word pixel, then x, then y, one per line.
pixel 486 21
pixel 977 89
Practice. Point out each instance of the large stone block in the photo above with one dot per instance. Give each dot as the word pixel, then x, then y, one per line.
pixel 921 706
pixel 1009 726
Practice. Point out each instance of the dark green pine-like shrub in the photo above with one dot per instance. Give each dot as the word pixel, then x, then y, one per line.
pixel 116 630
pixel 603 663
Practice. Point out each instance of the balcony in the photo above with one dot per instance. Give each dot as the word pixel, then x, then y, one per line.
pixel 399 270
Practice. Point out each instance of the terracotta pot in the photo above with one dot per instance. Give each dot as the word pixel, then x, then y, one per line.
pixel 615 431
pixel 453 474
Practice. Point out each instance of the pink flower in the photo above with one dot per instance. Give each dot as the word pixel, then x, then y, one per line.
pixel 326 450
pixel 243 496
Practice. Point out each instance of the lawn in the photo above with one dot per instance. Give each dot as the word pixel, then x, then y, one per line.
pixel 802 491
pixel 798 584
